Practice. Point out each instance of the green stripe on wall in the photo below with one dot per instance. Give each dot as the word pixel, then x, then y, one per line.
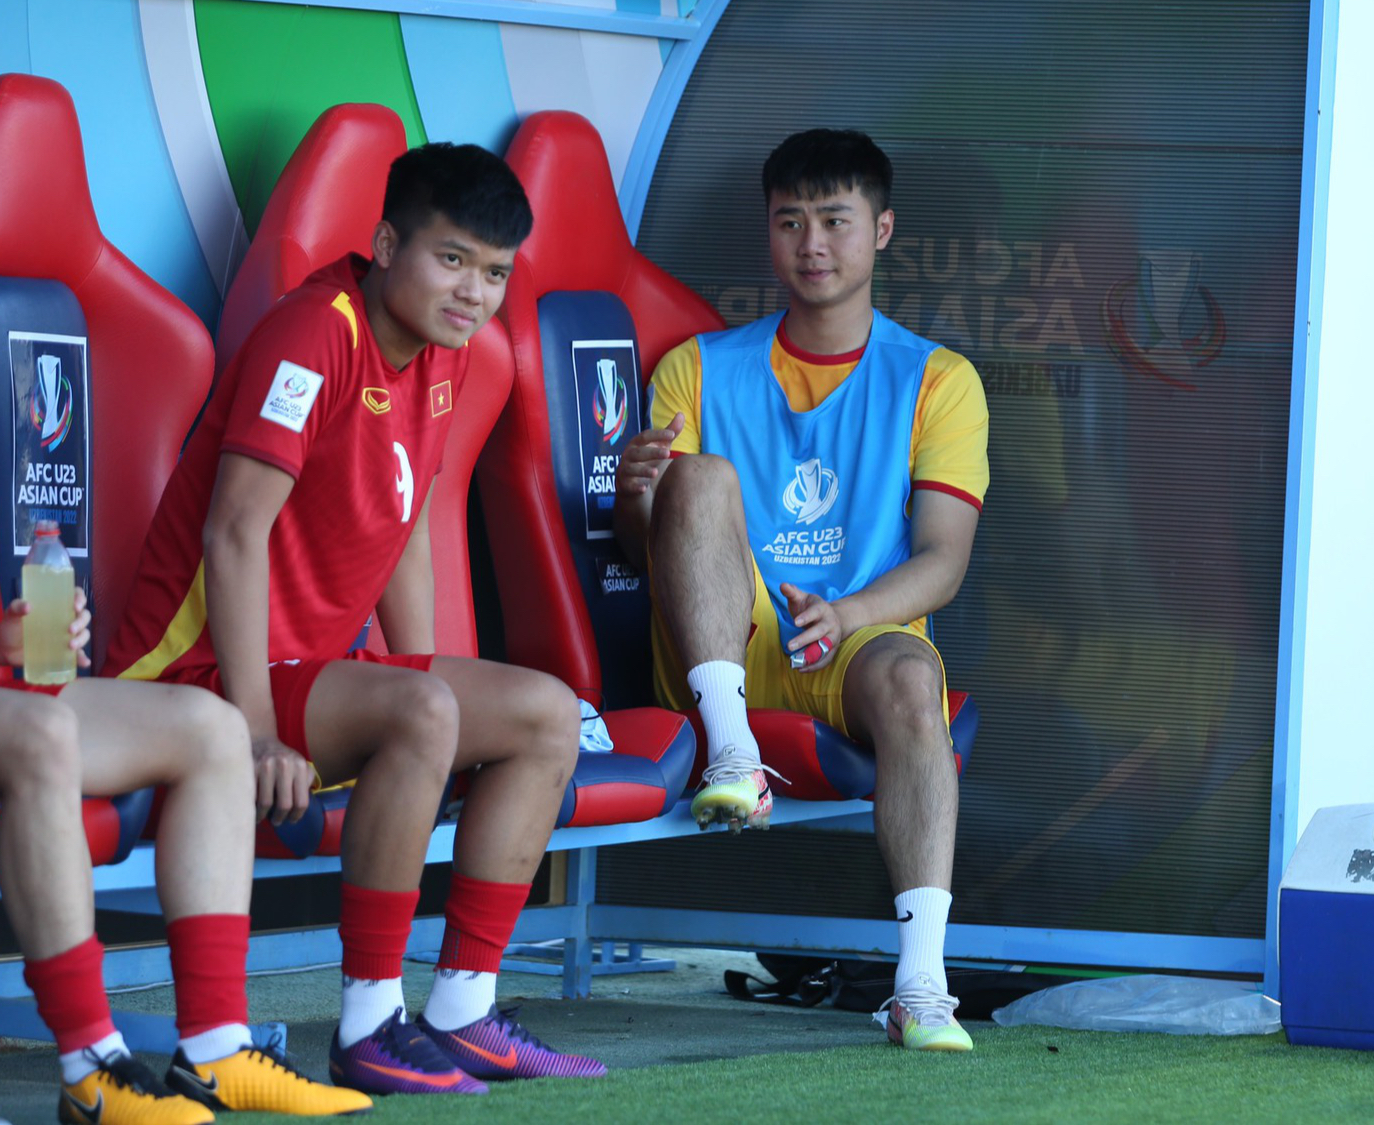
pixel 272 69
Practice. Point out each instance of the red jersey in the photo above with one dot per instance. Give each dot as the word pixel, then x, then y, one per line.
pixel 310 393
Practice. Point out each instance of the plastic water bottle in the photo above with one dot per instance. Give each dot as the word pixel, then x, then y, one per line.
pixel 49 586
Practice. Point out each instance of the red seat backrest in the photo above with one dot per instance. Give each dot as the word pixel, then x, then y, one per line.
pixel 151 358
pixel 579 243
pixel 326 204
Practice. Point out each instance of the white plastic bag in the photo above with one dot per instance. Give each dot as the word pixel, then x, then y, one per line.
pixel 596 739
pixel 1150 1002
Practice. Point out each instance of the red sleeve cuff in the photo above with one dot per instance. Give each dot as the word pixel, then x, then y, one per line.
pixel 266 457
pixel 949 490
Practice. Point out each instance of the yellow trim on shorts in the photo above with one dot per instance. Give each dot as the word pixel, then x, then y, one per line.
pixel 769 679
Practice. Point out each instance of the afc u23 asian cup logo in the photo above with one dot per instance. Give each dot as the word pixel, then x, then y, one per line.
pixel 610 402
pixel 1163 323
pixel 296 386
pixel 50 406
pixel 811 492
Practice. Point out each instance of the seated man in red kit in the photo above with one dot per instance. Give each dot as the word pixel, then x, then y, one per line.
pixel 101 738
pixel 300 506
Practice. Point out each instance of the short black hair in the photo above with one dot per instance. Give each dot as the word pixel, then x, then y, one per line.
pixel 825 161
pixel 468 185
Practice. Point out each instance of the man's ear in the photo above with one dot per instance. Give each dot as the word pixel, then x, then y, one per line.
pixel 885 225
pixel 385 240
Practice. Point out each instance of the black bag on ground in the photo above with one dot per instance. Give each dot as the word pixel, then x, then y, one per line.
pixel 864 986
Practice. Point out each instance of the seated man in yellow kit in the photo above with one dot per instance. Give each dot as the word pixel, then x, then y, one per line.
pixel 808 494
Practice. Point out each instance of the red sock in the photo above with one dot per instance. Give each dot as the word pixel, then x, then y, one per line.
pixel 209 968
pixel 374 927
pixel 480 918
pixel 70 991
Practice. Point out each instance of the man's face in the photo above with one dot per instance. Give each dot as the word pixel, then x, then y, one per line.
pixel 823 248
pixel 438 287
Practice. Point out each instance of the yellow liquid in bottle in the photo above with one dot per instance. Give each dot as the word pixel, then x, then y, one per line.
pixel 49 591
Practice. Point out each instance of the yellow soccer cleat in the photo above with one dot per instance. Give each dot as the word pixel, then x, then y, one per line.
pixel 261 1079
pixel 122 1091
pixel 922 1020
pixel 734 791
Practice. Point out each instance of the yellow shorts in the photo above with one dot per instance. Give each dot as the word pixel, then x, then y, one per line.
pixel 770 680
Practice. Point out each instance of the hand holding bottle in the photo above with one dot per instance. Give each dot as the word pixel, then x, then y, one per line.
pixel 55 624
pixel 12 630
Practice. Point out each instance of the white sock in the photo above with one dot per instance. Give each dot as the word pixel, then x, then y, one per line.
pixel 77 1064
pixel 366 1005
pixel 719 689
pixel 217 1043
pixel 921 938
pixel 459 997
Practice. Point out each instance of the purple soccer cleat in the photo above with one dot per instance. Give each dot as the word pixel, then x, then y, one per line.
pixel 496 1047
pixel 398 1058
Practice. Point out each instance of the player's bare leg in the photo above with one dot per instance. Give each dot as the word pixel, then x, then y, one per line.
pixel 700 566
pixel 522 728
pixel 45 866
pixel 45 873
pixel 396 731
pixel 196 746
pixel 138 734
pixel 893 702
pixel 703 584
pixel 893 692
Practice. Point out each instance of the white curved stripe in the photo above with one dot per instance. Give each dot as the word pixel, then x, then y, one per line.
pixel 606 78
pixel 188 127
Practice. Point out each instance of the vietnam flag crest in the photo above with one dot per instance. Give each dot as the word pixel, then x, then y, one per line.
pixel 440 398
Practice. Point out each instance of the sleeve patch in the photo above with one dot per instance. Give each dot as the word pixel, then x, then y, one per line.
pixel 291 396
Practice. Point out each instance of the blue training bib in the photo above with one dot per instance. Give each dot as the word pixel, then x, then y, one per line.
pixel 825 491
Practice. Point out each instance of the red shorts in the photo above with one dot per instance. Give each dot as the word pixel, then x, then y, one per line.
pixel 7 680
pixel 291 684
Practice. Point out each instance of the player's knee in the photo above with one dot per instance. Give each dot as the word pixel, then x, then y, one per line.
pixel 703 478
pixel 42 747
pixel 545 721
pixel 911 688
pixel 426 719
pixel 559 720
pixel 216 734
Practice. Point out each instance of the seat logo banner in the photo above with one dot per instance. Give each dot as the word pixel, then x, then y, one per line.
pixel 606 378
pixel 50 473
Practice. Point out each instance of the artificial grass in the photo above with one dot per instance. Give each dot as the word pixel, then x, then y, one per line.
pixel 1024 1074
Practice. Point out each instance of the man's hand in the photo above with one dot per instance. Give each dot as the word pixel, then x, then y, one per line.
pixel 12 633
pixel 816 618
pixel 645 458
pixel 80 629
pixel 12 630
pixel 284 780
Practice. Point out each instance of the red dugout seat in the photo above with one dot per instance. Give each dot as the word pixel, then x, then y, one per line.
pixel 150 360
pixel 326 204
pixel 578 281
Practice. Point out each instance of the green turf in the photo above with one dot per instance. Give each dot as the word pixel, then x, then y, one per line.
pixel 1015 1074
